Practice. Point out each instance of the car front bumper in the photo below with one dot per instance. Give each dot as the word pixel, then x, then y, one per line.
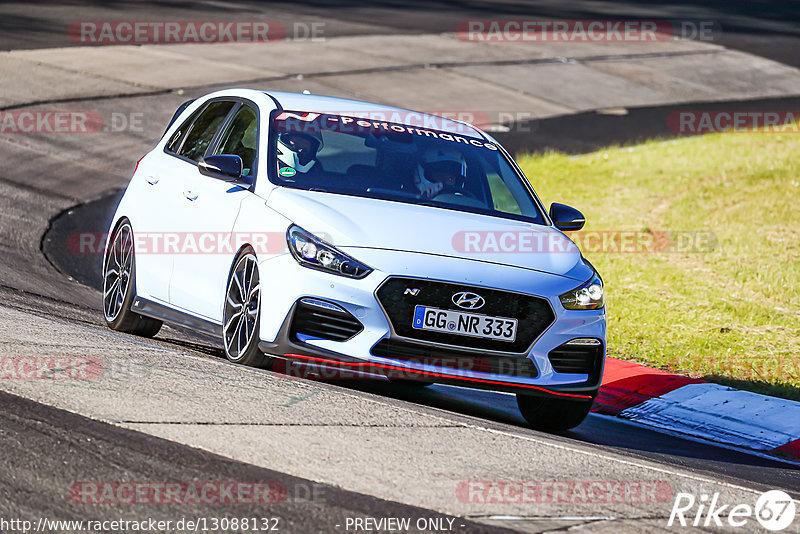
pixel 285 283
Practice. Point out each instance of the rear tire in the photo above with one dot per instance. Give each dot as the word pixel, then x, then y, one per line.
pixel 119 286
pixel 242 314
pixel 548 413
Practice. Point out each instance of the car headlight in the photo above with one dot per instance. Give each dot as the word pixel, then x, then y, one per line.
pixel 589 296
pixel 311 251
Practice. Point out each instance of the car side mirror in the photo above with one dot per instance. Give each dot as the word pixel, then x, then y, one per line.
pixel 227 167
pixel 566 218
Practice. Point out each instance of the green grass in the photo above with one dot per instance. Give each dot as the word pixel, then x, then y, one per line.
pixel 730 315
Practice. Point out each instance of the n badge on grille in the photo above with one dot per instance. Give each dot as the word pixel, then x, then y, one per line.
pixel 411 291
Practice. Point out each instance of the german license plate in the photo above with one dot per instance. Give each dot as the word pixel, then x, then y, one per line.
pixel 464 324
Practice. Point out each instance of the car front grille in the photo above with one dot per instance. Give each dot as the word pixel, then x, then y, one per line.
pixel 323 321
pixel 399 296
pixel 577 357
pixel 460 360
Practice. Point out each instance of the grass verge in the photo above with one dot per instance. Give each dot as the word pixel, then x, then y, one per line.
pixel 708 282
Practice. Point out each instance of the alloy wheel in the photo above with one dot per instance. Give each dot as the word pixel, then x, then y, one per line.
pixel 117 272
pixel 242 304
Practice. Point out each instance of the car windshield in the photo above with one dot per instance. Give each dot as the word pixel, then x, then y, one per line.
pixel 389 161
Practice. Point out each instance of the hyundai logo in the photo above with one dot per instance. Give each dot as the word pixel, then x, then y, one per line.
pixel 468 301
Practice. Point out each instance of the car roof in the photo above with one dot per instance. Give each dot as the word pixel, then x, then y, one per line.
pixel 358 108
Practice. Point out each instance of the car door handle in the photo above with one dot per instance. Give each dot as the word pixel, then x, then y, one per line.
pixel 152 180
pixel 190 195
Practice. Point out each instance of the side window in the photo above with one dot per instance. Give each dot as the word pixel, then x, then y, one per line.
pixel 175 141
pixel 241 139
pixel 203 130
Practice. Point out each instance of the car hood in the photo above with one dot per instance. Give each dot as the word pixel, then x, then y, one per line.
pixel 356 222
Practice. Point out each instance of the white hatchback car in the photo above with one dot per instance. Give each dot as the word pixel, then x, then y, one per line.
pixel 358 239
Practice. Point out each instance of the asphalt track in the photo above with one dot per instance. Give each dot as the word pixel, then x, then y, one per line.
pixel 768 29
pixel 34 477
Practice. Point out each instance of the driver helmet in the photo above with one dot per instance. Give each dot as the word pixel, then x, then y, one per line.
pixel 299 150
pixel 444 165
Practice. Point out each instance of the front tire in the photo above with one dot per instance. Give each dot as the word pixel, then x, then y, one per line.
pixel 119 277
pixel 553 414
pixel 242 314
